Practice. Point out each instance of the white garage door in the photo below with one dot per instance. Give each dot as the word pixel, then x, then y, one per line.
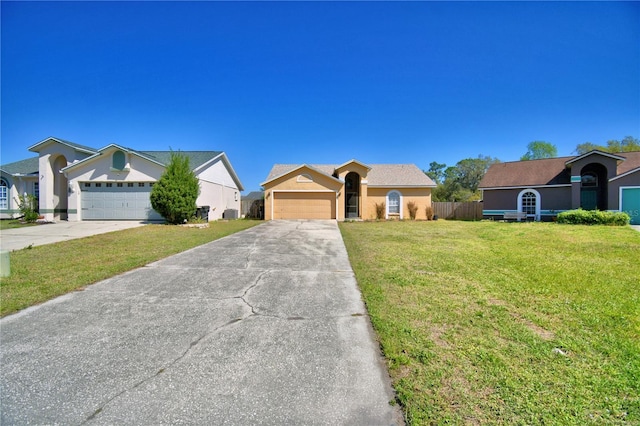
pixel 117 201
pixel 304 205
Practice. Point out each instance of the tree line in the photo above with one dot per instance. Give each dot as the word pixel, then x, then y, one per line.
pixel 460 182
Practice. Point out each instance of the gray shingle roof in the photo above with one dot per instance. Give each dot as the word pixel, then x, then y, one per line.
pixel 22 167
pixel 391 175
pixel 196 158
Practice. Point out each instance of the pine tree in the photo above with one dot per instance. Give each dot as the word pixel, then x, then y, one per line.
pixel 174 195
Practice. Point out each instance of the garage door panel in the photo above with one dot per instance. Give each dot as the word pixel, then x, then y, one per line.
pixel 304 205
pixel 631 204
pixel 117 203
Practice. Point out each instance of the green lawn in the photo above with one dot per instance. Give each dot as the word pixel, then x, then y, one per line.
pixel 13 223
pixel 44 272
pixel 505 323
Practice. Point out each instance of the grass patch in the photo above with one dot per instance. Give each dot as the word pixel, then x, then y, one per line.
pixel 14 223
pixel 44 272
pixel 500 323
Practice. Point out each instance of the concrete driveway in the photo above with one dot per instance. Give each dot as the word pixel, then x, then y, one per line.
pixel 37 235
pixel 266 326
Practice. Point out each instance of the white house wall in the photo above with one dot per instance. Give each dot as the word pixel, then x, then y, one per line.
pixel 218 190
pixel 17 185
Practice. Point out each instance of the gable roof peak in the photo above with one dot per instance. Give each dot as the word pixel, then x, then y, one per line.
pixel 596 152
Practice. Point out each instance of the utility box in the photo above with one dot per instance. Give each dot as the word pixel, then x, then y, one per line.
pixel 202 212
pixel 5 265
pixel 230 214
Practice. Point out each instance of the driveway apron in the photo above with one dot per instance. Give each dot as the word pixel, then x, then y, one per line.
pixel 265 326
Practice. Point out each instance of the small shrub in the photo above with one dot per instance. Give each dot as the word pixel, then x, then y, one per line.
pixel 174 195
pixel 429 212
pixel 593 217
pixel 381 208
pixel 413 209
pixel 27 205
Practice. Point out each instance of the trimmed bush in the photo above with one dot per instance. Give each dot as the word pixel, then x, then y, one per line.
pixel 429 212
pixel 381 208
pixel 593 217
pixel 413 209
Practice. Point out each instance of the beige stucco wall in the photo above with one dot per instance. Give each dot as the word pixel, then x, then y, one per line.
pixel 51 182
pixel 421 196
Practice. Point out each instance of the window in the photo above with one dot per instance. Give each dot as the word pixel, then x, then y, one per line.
pixel 98 185
pixel 36 190
pixel 87 184
pixel 118 160
pixel 151 184
pixel 109 185
pixel 4 194
pixel 393 203
pixel 529 203
pixel 589 180
pixel 119 184
pixel 141 184
pixel 130 185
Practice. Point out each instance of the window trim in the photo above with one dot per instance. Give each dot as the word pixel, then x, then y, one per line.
pixel 388 204
pixel 538 202
pixel 5 200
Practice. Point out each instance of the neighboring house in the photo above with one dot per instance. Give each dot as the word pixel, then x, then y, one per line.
pixel 253 205
pixel 347 191
pixel 544 188
pixel 75 182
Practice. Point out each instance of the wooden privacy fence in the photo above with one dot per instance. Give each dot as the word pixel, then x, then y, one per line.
pixel 470 210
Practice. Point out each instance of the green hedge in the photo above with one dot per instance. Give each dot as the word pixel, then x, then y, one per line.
pixel 594 217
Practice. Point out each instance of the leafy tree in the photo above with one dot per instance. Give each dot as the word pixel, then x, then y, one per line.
pixel 174 195
pixel 436 171
pixel 461 181
pixel 540 149
pixel 627 144
pixel 583 148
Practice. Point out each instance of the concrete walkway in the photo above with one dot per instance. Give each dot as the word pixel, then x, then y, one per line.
pixel 37 235
pixel 265 326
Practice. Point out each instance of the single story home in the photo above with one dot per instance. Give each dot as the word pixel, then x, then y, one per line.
pixel 76 182
pixel 543 188
pixel 345 191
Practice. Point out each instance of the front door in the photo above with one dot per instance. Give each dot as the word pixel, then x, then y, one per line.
pixel 352 196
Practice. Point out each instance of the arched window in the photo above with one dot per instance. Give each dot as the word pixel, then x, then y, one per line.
pixel 394 203
pixel 4 194
pixel 529 203
pixel 118 161
pixel 589 180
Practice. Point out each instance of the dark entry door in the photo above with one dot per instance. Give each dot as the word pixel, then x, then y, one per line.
pixel 589 199
pixel 352 195
pixel 352 205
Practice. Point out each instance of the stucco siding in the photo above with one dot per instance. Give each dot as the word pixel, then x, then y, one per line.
pixel 217 173
pixel 421 196
pixel 219 198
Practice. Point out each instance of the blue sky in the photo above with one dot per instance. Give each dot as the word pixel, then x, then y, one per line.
pixel 320 82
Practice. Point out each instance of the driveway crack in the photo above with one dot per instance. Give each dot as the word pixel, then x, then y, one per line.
pixel 186 352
